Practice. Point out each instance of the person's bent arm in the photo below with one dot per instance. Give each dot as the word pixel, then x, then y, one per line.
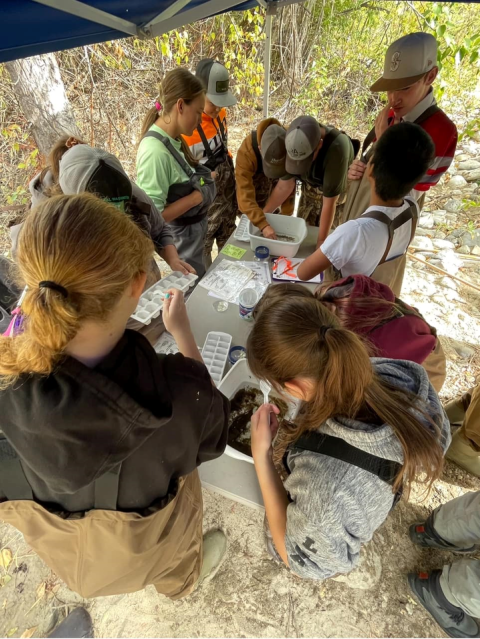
pixel 264 425
pixel 170 255
pixel 329 207
pixel 246 196
pixel 282 191
pixel 177 323
pixel 181 206
pixel 313 265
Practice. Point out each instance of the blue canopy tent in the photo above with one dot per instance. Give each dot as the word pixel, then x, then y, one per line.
pixel 32 27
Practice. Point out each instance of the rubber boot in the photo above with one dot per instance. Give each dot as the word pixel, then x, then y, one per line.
pixel 454 621
pixel 214 554
pixel 78 624
pixel 423 534
pixel 462 453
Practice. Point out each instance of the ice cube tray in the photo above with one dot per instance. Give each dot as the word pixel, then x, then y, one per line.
pixel 150 303
pixel 215 354
pixel 241 232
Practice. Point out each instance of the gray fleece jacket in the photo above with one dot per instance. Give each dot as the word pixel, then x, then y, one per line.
pixel 336 507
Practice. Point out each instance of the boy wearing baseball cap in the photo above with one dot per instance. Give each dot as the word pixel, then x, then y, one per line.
pixel 209 145
pixel 375 244
pixel 409 71
pixel 263 183
pixel 320 156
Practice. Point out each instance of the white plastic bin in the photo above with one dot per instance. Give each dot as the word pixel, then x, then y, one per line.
pixel 238 377
pixel 284 224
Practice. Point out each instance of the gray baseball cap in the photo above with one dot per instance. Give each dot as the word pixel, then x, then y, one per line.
pixel 272 149
pixel 84 168
pixel 216 80
pixel 407 60
pixel 303 137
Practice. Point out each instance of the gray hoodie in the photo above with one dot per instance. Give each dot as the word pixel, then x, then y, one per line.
pixel 78 163
pixel 336 507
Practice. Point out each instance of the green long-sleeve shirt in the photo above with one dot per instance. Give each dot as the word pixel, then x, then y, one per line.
pixel 157 169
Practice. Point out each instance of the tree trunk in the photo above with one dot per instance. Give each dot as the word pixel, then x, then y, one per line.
pixel 41 93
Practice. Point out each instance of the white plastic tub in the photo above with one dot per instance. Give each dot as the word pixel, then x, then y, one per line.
pixel 238 377
pixel 284 224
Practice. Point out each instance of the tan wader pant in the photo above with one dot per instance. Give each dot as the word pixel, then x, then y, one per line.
pixel 466 409
pixel 358 199
pixel 391 273
pixel 436 367
pixel 110 553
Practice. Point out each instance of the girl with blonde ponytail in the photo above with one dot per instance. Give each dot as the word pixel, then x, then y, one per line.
pixel 103 436
pixel 368 428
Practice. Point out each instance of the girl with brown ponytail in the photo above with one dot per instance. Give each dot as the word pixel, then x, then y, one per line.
pixel 368 428
pixel 181 188
pixel 100 436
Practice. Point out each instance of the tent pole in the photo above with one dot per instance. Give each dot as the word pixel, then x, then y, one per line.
pixel 271 10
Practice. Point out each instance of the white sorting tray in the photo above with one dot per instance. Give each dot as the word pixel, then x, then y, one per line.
pixel 150 303
pixel 215 354
pixel 241 232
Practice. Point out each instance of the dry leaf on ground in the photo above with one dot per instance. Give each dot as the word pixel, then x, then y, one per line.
pixel 6 558
pixel 28 633
pixel 4 579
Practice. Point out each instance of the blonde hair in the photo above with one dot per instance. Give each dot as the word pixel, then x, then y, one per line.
pixel 177 84
pixel 89 248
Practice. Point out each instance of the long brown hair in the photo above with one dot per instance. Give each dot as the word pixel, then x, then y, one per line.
pixel 177 84
pixel 58 150
pixel 359 314
pixel 298 337
pixel 88 247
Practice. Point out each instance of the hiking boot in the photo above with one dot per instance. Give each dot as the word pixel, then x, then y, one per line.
pixel 214 553
pixel 424 535
pixel 462 453
pixel 77 625
pixel 454 621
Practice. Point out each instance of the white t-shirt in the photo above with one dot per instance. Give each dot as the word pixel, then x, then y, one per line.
pixel 357 246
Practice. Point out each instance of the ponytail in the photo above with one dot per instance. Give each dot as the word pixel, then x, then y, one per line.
pixel 177 84
pixel 297 337
pixel 91 252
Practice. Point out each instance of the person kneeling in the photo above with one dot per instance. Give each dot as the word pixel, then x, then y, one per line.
pixel 368 428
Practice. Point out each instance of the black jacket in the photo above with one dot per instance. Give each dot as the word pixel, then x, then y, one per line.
pixel 159 415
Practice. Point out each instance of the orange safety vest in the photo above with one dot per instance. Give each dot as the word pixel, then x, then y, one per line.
pixel 210 139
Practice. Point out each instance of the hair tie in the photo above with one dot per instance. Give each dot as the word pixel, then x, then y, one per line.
pixel 158 106
pixel 324 329
pixel 54 287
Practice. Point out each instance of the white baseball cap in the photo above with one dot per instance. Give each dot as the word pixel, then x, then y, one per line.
pixel 407 60
pixel 216 81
